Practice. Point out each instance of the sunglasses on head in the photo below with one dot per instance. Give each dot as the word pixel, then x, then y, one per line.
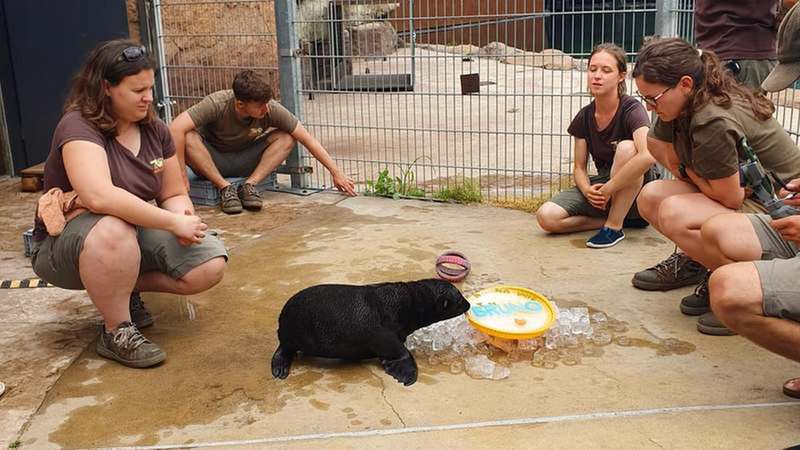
pixel 132 54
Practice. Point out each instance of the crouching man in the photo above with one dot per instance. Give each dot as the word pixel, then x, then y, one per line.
pixel 244 132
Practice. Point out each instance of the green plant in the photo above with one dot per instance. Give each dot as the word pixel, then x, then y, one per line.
pixel 387 186
pixel 15 444
pixel 468 192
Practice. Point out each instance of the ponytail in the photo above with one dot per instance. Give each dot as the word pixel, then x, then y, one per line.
pixel 718 87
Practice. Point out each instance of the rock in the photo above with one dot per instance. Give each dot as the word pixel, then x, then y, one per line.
pixel 499 50
pixel 548 59
pixel 371 39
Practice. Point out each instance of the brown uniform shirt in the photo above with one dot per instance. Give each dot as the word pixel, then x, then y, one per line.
pixel 707 141
pixel 736 29
pixel 215 119
pixel 630 116
pixel 140 175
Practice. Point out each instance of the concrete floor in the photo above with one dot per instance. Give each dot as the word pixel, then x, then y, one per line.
pixel 215 387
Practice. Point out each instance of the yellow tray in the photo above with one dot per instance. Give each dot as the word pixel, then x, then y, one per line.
pixel 510 312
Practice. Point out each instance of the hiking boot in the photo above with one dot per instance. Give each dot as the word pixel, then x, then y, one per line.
pixel 697 303
pixel 605 238
pixel 140 316
pixel 249 196
pixel 709 324
pixel 126 345
pixel 676 271
pixel 229 201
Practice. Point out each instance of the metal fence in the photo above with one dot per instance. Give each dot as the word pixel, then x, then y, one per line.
pixel 438 95
pixel 444 94
pixel 202 44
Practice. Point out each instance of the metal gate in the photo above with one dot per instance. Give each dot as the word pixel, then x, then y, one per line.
pixel 434 98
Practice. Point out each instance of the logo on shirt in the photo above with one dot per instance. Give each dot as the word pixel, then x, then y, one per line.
pixel 157 165
pixel 255 132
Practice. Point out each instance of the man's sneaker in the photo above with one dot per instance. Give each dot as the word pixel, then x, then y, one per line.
pixel 709 324
pixel 604 238
pixel 140 316
pixel 249 196
pixel 676 271
pixel 635 223
pixel 229 201
pixel 697 302
pixel 126 345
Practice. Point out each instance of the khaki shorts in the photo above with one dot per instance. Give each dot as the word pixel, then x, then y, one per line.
pixel 753 71
pixel 778 270
pixel 573 201
pixel 242 162
pixel 55 259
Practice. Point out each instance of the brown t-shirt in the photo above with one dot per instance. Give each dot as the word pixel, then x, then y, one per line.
pixel 140 175
pixel 630 116
pixel 707 141
pixel 215 119
pixel 736 29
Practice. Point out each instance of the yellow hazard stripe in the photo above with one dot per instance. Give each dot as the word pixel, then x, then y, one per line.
pixel 24 283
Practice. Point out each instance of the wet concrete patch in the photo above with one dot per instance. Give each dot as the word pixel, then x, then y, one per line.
pixel 219 343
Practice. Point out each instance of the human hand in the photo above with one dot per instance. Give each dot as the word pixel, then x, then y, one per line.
pixel 788 227
pixel 344 184
pixel 595 197
pixel 188 228
pixel 183 241
pixel 788 195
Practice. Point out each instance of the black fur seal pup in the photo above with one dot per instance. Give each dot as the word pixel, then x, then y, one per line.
pixel 362 322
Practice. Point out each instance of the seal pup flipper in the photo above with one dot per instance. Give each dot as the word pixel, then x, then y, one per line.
pixel 395 358
pixel 403 369
pixel 282 362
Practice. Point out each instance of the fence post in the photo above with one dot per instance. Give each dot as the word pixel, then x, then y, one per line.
pixel 285 11
pixel 666 18
pixel 166 100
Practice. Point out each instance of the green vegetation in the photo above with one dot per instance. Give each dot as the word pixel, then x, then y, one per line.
pixel 467 192
pixel 396 187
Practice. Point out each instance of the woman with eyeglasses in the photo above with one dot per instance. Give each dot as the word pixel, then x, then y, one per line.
pixel 111 150
pixel 613 130
pixel 702 116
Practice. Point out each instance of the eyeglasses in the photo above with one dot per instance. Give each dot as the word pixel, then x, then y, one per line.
pixel 132 54
pixel 653 101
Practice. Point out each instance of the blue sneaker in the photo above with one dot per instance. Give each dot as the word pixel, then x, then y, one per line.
pixel 604 238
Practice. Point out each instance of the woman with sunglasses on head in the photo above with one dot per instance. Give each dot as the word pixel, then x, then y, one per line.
pixel 111 151
pixel 613 130
pixel 702 116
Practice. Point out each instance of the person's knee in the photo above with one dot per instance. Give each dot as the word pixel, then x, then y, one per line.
pixel 672 216
pixel 648 199
pixel 549 216
pixel 624 152
pixel 283 141
pixel 726 298
pixel 112 236
pixel 205 276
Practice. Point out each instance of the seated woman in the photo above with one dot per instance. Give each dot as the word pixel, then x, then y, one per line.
pixel 111 150
pixel 702 116
pixel 613 129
